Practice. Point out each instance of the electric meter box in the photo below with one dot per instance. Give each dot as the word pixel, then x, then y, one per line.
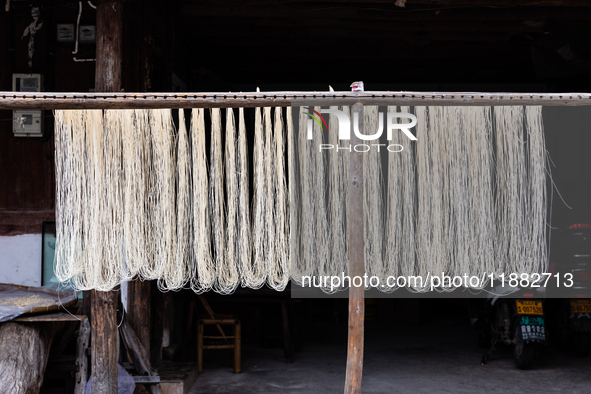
pixel 27 123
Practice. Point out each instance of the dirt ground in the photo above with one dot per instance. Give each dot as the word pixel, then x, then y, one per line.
pixel 438 357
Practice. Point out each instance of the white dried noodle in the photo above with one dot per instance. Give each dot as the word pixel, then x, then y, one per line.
pixel 268 158
pixel 178 273
pixel 400 205
pixel 373 198
pixel 320 238
pixel 429 226
pixel 136 199
pixel 223 283
pixel 161 196
pixel 205 276
pixel 295 201
pixel 249 278
pixel 259 217
pixel 229 274
pixel 337 198
pixel 279 270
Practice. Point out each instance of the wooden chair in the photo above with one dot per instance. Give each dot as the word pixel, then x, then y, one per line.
pixel 221 341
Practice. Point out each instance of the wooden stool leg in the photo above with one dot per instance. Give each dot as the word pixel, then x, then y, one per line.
pixel 237 350
pixel 200 348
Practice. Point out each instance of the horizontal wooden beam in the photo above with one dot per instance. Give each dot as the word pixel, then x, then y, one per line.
pixel 431 3
pixel 24 222
pixel 52 317
pixel 17 100
pixel 493 3
pixel 146 379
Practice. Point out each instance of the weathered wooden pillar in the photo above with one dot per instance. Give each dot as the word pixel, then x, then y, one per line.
pixel 109 26
pixel 139 310
pixel 138 78
pixel 356 262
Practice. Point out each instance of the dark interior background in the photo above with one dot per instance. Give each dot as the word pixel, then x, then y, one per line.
pixel 231 45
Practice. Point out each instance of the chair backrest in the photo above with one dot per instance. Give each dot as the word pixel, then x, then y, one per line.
pixel 206 306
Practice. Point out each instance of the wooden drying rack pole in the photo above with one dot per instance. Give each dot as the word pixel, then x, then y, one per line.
pixel 104 325
pixel 356 334
pixel 51 101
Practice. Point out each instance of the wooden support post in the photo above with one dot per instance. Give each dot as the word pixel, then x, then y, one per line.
pixel 356 263
pixel 138 310
pixel 160 316
pixel 107 78
pixel 86 295
pixel 104 341
pixel 109 27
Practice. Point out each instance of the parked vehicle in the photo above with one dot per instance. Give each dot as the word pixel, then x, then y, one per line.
pixel 516 322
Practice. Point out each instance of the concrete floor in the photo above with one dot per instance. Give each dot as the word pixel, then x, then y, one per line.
pixel 441 357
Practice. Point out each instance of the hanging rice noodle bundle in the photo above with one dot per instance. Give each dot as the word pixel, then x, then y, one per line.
pixel 249 278
pixel 373 198
pixel 280 272
pixel 259 218
pixel 205 274
pixel 136 198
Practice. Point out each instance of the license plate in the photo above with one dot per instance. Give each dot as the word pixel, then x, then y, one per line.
pixel 529 307
pixel 580 306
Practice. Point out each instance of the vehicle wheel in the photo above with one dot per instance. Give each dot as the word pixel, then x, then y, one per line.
pixel 523 353
pixel 581 343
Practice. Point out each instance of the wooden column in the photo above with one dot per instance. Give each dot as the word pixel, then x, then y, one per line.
pixel 160 305
pixel 137 78
pixel 356 262
pixel 104 341
pixel 109 25
pixel 138 310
